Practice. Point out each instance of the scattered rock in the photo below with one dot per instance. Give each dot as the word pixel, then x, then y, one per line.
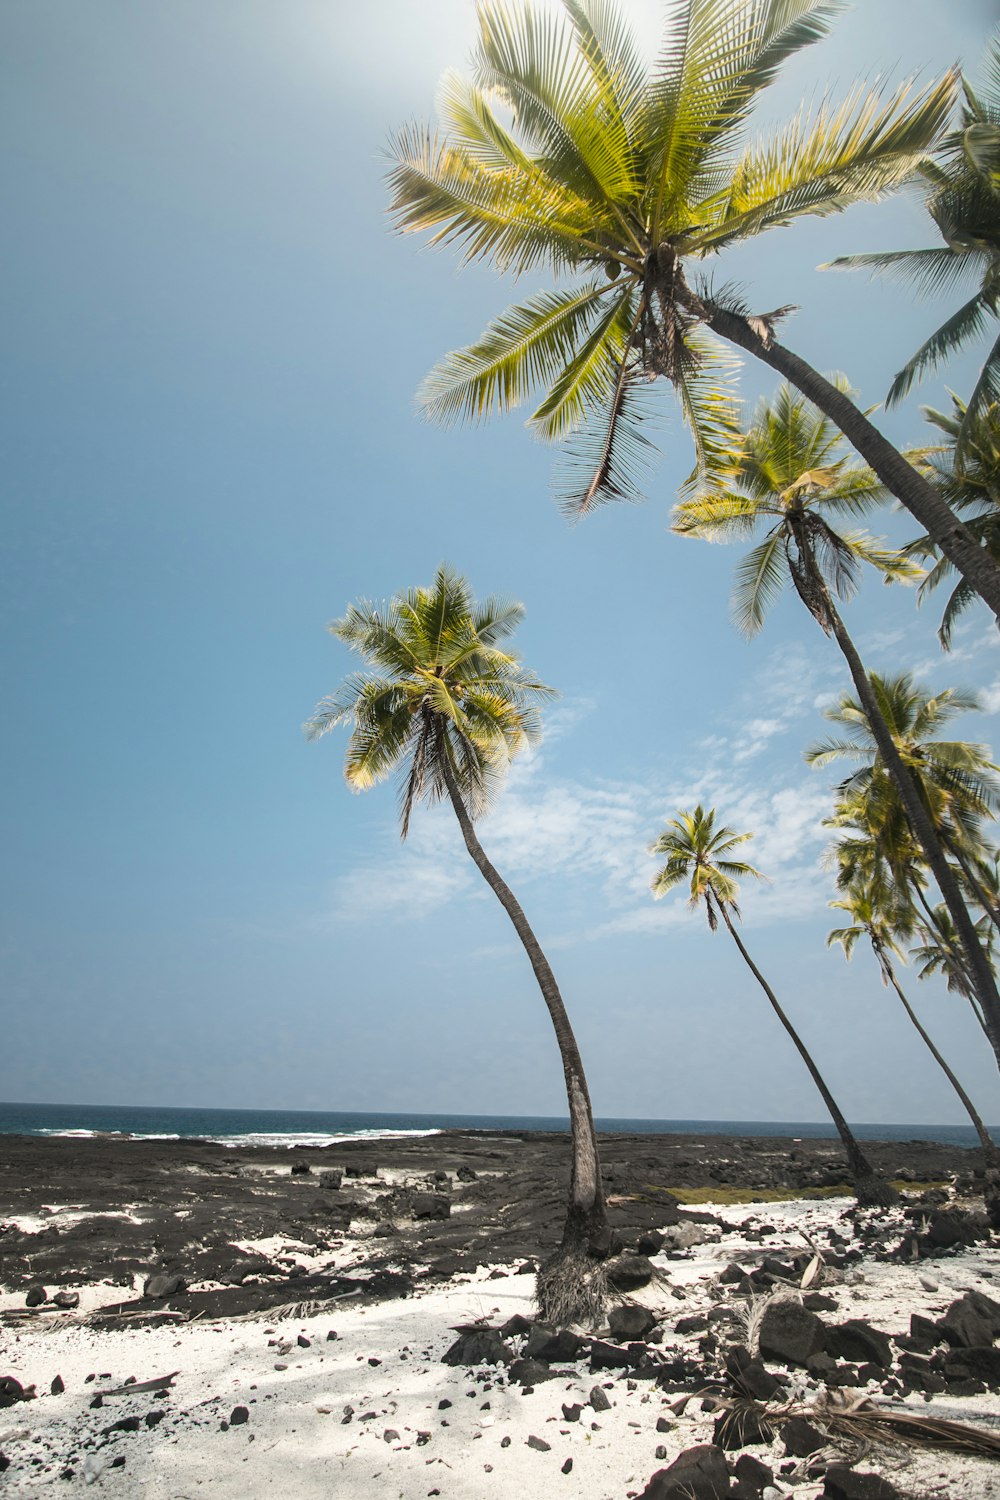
pixel 66 1299
pixel 627 1273
pixel 801 1438
pixel 697 1474
pixel 539 1444
pixel 858 1341
pixel 239 1416
pixel 546 1343
pixel 331 1180
pixel 789 1333
pixel 598 1399
pixel 37 1295
pixel 478 1346
pixel 630 1322
pixel 972 1321
pixel 530 1372
pixel 431 1206
pixel 57 1387
pixel 158 1287
pixel 846 1484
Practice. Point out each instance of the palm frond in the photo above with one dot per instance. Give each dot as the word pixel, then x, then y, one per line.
pixel 759 579
pixel 965 324
pixel 610 457
pixel 932 272
pixel 857 151
pixel 529 344
pixel 588 378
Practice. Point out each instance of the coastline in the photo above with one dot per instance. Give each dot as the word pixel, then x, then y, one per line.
pixel 273 1261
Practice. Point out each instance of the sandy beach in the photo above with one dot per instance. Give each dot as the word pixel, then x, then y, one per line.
pixel 363 1327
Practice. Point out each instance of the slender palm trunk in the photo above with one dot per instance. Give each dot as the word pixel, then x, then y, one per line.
pixel 982 895
pixel 990 1151
pixel 871 1190
pixel 978 966
pixel 948 947
pixel 586 1223
pixel 921 499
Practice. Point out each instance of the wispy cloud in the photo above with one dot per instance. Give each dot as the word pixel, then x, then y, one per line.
pixel 595 833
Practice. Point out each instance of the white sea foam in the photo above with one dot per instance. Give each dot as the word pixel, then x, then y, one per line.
pixel 304 1138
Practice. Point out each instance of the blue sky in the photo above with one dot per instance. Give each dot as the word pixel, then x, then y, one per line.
pixel 211 344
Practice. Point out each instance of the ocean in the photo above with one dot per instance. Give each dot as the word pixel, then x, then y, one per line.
pixel 282 1127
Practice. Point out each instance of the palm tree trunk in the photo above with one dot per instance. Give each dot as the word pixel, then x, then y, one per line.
pixel 871 1190
pixel 900 478
pixel 980 972
pixel 990 1151
pixel 934 931
pixel 983 896
pixel 586 1222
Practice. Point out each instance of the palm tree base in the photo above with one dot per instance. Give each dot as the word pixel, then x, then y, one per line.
pixel 571 1287
pixel 872 1191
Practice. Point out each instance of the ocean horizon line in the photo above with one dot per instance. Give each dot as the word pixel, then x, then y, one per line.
pixel 284 1127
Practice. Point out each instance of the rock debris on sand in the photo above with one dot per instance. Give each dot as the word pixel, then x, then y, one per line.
pixel 707 1379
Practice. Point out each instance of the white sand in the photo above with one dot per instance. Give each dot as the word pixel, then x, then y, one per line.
pixel 296 1445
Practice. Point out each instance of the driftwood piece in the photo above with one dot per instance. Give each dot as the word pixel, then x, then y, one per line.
pixel 162 1384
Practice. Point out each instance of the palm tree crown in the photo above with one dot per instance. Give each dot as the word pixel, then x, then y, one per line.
pixel 442 689
pixel 700 853
pixel 614 175
pixel 963 199
pixel 970 482
pixel 790 477
pixel 956 778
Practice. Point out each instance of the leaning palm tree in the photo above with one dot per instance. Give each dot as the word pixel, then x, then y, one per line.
pixel 619 178
pixel 963 199
pixel 882 923
pixel 447 709
pixel 791 480
pixel 970 482
pixel 938 954
pixel 702 855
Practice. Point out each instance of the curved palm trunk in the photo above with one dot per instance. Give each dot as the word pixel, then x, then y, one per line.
pixel 983 896
pixel 871 1190
pixel 935 932
pixel 978 966
pixel 586 1221
pixel 990 1151
pixel 921 499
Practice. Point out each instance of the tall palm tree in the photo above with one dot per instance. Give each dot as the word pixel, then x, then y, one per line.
pixel 619 178
pixel 447 709
pixel 939 953
pixel 882 924
pixel 875 849
pixel 970 482
pixel 791 479
pixel 963 199
pixel 702 855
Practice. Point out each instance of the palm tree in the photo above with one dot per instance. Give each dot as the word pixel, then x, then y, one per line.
pixel 970 482
pixel 618 178
pixel 939 954
pixel 963 199
pixel 873 918
pixel 447 708
pixel 791 477
pixel 702 855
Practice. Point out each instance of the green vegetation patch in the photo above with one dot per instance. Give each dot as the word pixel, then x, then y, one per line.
pixel 726 1193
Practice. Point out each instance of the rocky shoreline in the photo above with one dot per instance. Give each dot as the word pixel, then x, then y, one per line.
pixel 358 1320
pixel 446 1202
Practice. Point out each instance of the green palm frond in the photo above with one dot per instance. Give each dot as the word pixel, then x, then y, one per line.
pixel 612 455
pixel 759 579
pixel 695 852
pixel 719 516
pixel 527 345
pixel 858 151
pixel 955 332
pixel 932 272
pixel 707 394
pixel 443 689
pixel 587 380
